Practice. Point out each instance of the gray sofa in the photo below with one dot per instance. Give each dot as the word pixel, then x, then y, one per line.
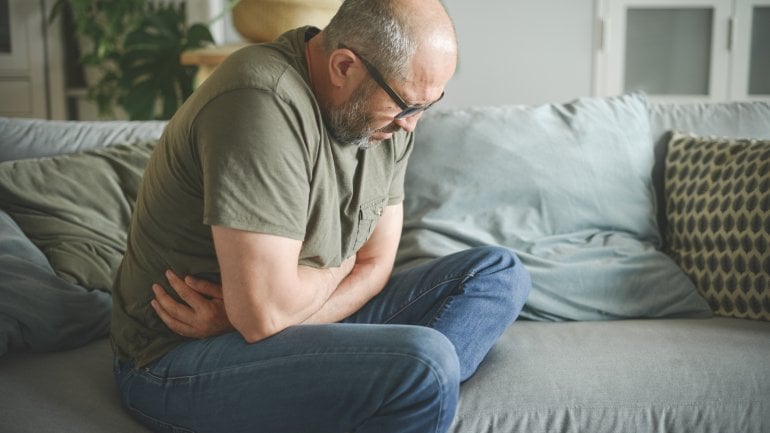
pixel 619 333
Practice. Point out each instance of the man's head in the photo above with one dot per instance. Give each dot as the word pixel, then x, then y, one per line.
pixel 386 62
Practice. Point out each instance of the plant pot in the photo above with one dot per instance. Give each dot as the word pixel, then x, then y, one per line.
pixel 264 20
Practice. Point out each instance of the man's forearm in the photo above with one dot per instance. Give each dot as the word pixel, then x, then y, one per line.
pixel 312 290
pixel 263 291
pixel 367 279
pixel 374 264
pixel 202 313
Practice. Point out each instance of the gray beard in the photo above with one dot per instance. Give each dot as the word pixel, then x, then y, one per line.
pixel 350 122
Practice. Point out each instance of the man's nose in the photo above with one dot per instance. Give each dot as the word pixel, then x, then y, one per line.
pixel 408 123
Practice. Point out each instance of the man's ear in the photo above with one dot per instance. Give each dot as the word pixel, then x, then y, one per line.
pixel 342 67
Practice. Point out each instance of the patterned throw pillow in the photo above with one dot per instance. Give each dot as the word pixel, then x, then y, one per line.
pixel 718 210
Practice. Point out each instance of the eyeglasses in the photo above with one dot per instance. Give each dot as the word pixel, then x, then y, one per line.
pixel 406 109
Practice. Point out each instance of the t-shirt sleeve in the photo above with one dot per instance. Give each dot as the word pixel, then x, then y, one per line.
pixel 396 194
pixel 254 157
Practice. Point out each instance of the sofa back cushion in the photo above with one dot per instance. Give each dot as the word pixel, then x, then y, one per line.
pixel 32 138
pixel 567 186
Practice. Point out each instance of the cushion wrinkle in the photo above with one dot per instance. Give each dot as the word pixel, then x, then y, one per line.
pixel 568 187
pixel 77 207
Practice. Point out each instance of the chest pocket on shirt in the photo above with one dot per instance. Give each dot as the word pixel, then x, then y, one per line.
pixel 368 215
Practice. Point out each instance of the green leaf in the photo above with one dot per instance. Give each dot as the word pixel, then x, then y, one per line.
pixel 136 47
pixel 140 103
pixel 198 35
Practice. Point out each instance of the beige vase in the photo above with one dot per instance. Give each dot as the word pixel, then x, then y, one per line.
pixel 264 20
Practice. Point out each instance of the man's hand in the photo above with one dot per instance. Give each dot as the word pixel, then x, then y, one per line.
pixel 203 316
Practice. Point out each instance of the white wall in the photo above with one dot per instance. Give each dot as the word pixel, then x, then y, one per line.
pixel 516 51
pixel 521 51
pixel 216 14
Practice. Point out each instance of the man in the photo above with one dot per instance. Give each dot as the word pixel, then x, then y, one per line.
pixel 276 191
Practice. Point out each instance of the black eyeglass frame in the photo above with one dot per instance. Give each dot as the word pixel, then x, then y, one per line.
pixel 407 110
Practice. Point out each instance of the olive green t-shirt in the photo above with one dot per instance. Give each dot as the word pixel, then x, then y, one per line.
pixel 248 150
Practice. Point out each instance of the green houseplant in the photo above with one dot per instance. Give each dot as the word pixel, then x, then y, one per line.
pixel 135 46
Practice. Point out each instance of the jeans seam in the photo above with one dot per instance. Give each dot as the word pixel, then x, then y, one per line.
pixel 144 372
pixel 436 283
pixel 440 311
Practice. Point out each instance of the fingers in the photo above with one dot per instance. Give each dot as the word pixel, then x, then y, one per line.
pixel 181 315
pixel 204 287
pixel 170 320
pixel 201 313
pixel 182 289
pixel 167 302
pixel 190 286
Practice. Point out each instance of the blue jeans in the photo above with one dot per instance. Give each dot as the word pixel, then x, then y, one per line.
pixel 373 372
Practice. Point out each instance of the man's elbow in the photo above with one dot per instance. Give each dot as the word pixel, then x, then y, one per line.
pixel 254 331
pixel 254 337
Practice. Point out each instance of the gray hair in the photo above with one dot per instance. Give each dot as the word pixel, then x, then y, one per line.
pixel 377 31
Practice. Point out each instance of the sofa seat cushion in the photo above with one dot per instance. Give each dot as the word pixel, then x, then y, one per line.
pixel 63 392
pixel 652 376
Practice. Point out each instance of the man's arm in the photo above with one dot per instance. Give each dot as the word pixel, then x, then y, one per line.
pixel 374 264
pixel 205 315
pixel 263 288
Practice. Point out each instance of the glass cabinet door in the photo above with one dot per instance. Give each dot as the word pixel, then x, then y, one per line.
pixel 751 50
pixel 670 49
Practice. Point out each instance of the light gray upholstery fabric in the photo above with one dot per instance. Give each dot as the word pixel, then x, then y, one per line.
pixel 729 119
pixel 651 376
pixel 32 138
pixel 566 186
pixel 62 392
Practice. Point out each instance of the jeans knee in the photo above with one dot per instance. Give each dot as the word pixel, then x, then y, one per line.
pixel 422 377
pixel 509 279
pixel 431 357
pixel 429 371
pixel 432 348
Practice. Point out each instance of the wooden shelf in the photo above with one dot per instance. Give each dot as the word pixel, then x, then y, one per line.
pixel 208 58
